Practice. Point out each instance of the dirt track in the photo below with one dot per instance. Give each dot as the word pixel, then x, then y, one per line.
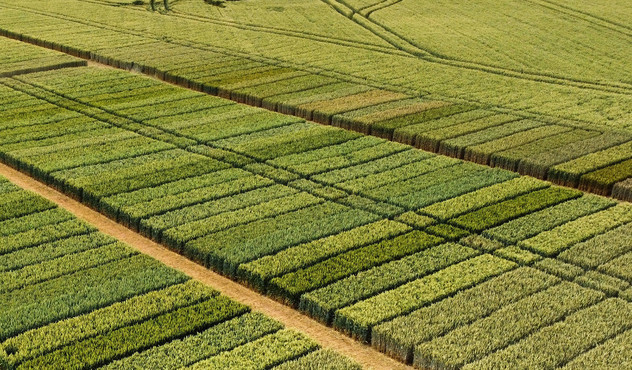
pixel 325 336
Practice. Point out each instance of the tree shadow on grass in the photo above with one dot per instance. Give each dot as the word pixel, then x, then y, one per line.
pixel 161 5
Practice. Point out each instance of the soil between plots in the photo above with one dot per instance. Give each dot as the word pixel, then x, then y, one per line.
pixel 325 336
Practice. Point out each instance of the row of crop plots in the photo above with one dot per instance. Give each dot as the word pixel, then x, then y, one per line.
pixel 389 244
pixel 73 297
pixel 594 157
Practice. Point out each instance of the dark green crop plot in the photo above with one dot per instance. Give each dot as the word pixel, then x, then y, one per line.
pixel 495 214
pixel 130 339
pixel 323 302
pixel 294 284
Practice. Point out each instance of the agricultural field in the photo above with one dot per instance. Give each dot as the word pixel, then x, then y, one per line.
pixel 379 204
pixel 441 77
pixel 73 297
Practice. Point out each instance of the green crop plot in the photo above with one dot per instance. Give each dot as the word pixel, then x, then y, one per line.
pixel 19 58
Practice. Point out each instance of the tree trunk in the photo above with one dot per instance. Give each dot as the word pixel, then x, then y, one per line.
pixel 166 2
pixel 153 5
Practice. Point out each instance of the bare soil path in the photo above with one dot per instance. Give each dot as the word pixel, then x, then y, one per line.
pixel 325 336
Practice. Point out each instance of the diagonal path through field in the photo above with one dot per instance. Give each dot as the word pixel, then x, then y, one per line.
pixel 266 29
pixel 419 51
pixel 585 16
pixel 326 337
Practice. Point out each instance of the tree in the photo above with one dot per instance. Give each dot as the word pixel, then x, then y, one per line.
pixel 153 4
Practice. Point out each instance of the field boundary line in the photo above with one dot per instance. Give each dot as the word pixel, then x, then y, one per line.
pixel 293 319
pixel 52 67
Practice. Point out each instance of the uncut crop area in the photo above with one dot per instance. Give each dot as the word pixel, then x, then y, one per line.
pixel 315 184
